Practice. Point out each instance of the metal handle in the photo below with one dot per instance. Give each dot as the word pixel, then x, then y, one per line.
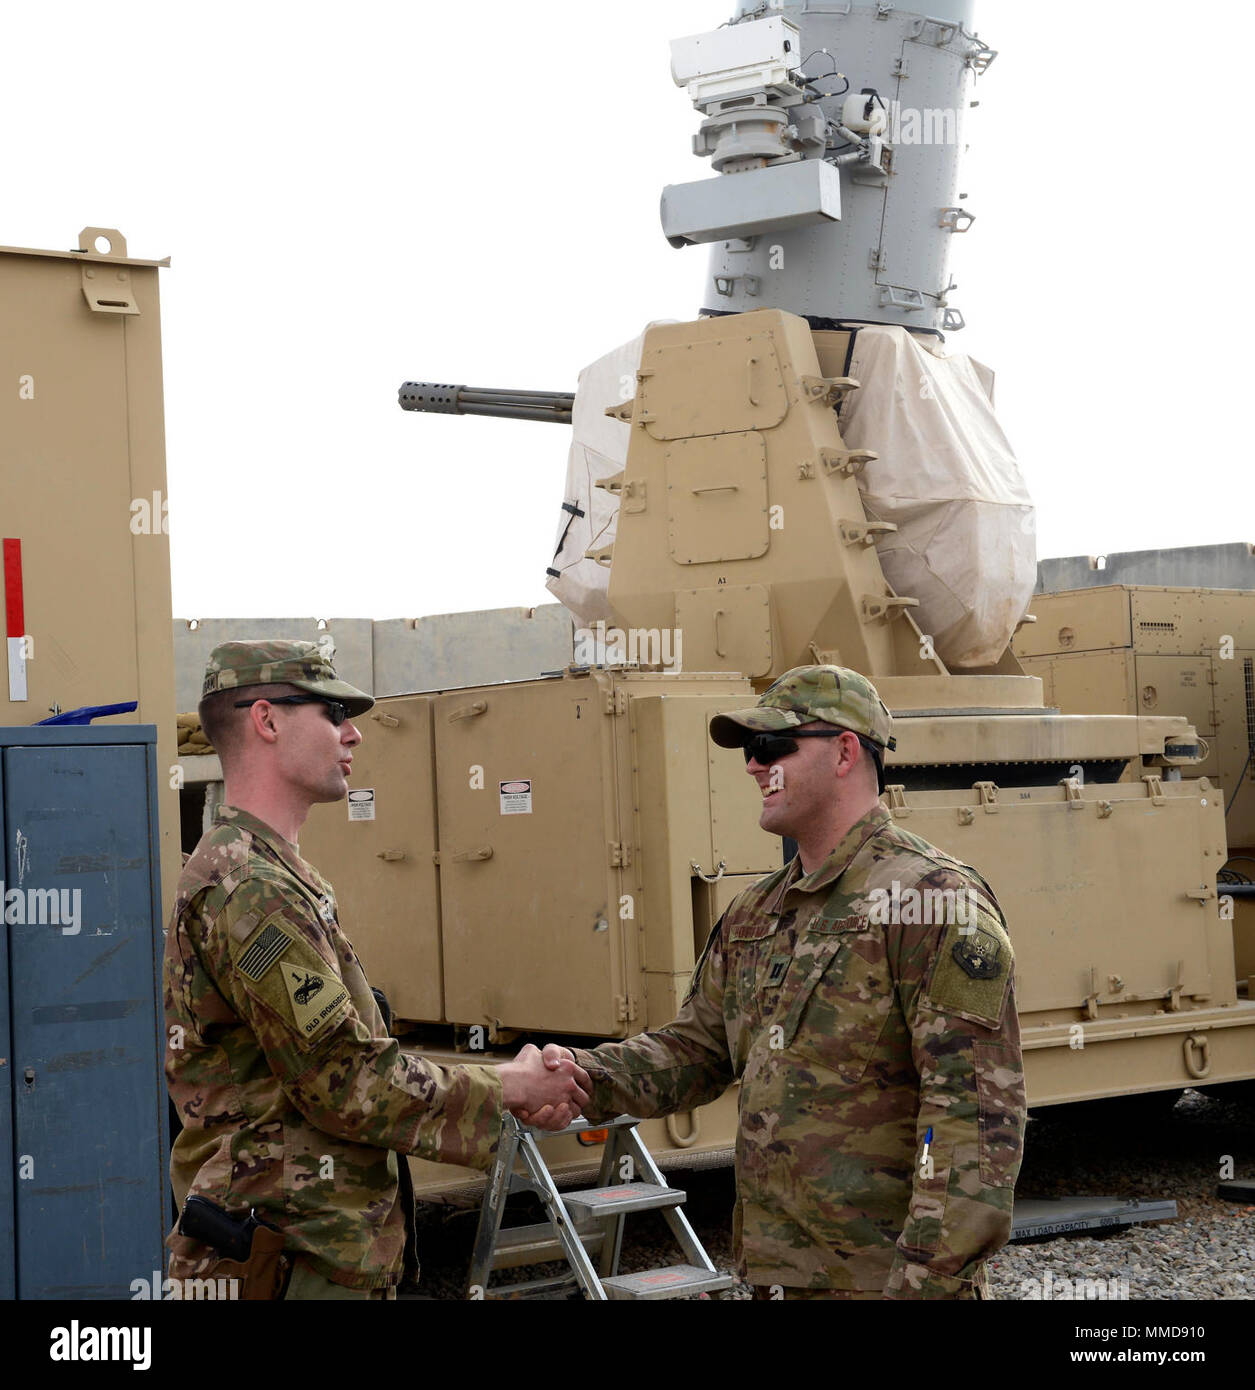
pixel 390 856
pixel 708 878
pixel 685 1141
pixel 471 856
pixel 719 651
pixel 749 379
pixel 719 487
pixel 1197 1042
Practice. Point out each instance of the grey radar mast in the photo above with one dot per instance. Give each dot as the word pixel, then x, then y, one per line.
pixel 836 134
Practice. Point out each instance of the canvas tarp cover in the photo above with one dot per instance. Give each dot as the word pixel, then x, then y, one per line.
pixel 946 475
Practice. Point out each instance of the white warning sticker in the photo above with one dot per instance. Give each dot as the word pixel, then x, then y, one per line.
pixel 362 804
pixel 516 798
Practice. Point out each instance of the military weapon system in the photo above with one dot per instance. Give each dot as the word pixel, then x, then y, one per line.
pixel 805 472
pixel 772 484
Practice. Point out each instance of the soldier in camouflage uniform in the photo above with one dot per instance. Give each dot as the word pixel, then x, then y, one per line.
pixel 294 1100
pixel 863 997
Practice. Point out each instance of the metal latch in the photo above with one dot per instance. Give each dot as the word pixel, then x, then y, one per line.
pixel 616 701
pixel 846 462
pixel 951 218
pixel 1154 788
pixel 387 720
pixel 391 856
pixel 620 854
pixel 629 493
pixel 896 796
pixel 468 711
pixel 988 793
pixel 827 390
pixel 1072 793
pixel 866 532
pixel 473 856
pixel 887 607
pixel 623 413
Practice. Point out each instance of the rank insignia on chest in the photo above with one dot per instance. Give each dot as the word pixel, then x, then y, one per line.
pixel 327 911
pixel 777 968
pixel 979 954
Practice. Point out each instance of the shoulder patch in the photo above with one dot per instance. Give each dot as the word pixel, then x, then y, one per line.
pixel 264 949
pixel 316 998
pixel 971 971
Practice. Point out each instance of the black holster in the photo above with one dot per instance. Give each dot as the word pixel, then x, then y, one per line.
pixel 251 1250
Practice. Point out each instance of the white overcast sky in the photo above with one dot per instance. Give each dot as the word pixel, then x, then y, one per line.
pixel 353 196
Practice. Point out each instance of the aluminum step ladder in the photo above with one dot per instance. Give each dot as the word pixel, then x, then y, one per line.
pixel 584 1226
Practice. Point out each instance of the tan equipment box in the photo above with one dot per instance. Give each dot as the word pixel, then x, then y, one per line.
pixel 1130 649
pixel 83 490
pixel 589 837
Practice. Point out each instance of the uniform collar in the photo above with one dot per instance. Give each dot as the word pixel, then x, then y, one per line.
pixel 837 862
pixel 284 850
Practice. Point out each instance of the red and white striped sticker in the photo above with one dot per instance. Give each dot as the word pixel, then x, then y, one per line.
pixel 15 618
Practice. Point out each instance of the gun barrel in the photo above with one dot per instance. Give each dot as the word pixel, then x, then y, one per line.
pixel 551 406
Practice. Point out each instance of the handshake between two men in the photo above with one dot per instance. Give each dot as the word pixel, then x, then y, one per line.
pixel 546 1089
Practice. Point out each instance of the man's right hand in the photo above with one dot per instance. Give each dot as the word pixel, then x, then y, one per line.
pixel 547 1090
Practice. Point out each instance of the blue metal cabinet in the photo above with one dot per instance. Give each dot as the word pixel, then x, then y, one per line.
pixel 84 1203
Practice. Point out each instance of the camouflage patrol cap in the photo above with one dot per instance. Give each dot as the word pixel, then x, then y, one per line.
pixel 831 693
pixel 233 665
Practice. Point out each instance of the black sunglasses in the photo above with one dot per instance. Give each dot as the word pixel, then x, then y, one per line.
pixel 336 711
pixel 770 748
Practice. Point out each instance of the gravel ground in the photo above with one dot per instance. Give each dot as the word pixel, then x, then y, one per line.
pixel 1106 1149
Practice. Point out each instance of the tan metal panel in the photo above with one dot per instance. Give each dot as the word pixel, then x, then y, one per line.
pixel 83 487
pixel 1235 739
pixel 531 929
pixel 1088 682
pixel 1140 1056
pixel 729 626
pixel 1177 685
pixel 383 870
pixel 741 386
pixel 1074 621
pixel 679 796
pixel 1097 894
pixel 828 592
pixel 717 498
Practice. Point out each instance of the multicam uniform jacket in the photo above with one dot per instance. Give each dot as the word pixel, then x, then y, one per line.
pixel 882 1092
pixel 293 1097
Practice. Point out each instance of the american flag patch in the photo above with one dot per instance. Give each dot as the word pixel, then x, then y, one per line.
pixel 264 951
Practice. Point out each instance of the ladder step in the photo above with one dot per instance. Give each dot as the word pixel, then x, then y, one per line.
pixel 560 1284
pixel 537 1244
pixel 676 1281
pixel 622 1197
